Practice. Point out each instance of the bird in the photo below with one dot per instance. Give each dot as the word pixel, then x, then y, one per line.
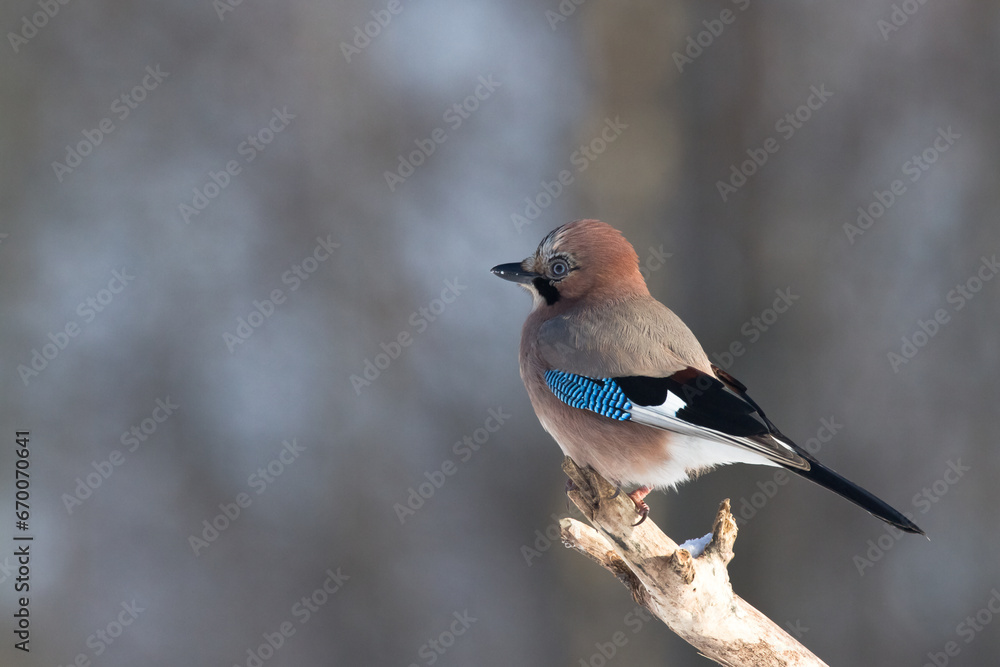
pixel 624 386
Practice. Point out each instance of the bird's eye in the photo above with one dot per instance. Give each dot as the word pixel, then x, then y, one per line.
pixel 559 268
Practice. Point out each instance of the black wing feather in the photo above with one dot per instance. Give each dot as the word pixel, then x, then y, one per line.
pixel 708 402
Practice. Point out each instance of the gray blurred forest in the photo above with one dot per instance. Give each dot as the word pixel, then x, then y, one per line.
pixel 272 389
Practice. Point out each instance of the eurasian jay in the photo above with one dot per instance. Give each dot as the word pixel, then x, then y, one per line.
pixel 623 385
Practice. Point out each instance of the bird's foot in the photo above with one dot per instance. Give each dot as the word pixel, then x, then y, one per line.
pixel 640 505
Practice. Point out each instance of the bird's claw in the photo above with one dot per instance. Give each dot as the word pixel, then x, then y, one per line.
pixel 643 510
pixel 640 505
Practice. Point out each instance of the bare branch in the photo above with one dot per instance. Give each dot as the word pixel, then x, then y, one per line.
pixel 692 596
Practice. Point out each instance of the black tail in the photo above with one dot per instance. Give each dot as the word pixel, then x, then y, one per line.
pixel 827 478
pixel 818 472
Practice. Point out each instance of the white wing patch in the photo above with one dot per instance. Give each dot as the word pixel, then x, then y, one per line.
pixel 672 404
pixel 664 417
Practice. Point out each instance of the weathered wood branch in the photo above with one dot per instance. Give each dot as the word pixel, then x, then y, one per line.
pixel 692 596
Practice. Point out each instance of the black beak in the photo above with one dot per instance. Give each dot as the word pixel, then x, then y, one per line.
pixel 513 272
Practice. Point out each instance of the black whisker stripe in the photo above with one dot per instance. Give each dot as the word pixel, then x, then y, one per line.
pixel 546 289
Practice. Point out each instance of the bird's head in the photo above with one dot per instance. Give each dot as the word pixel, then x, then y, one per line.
pixel 584 258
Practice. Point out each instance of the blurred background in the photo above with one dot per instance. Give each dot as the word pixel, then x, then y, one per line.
pixel 272 389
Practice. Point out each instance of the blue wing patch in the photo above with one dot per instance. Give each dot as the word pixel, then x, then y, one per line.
pixel 604 397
